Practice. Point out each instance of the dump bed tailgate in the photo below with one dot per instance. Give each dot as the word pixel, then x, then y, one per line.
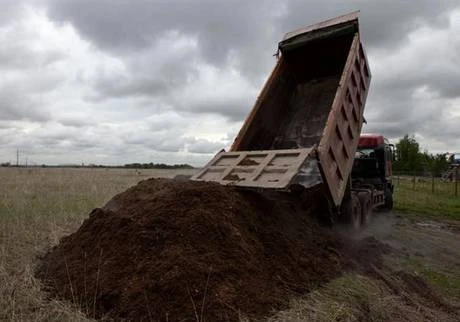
pixel 276 169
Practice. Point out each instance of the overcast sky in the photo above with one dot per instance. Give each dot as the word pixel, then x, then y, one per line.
pixel 119 81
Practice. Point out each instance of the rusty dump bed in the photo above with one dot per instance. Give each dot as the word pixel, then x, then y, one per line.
pixel 313 101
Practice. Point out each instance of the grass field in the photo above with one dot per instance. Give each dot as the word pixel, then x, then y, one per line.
pixel 39 206
pixel 418 199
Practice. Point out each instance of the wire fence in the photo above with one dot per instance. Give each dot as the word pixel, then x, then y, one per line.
pixel 435 185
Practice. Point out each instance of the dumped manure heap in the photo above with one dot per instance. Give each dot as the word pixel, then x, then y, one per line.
pixel 167 250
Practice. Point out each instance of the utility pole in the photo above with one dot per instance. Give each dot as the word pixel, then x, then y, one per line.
pixel 17 157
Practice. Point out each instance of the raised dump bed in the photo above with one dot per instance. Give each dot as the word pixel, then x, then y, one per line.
pixel 310 110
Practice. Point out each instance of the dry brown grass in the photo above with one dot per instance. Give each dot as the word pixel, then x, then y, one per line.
pixel 37 207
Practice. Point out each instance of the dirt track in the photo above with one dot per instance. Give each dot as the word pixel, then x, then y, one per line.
pixel 418 279
pixel 423 248
pixel 169 250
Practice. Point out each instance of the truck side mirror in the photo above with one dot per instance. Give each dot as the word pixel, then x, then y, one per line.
pixel 393 150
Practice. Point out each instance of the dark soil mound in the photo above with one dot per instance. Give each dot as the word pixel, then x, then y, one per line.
pixel 169 250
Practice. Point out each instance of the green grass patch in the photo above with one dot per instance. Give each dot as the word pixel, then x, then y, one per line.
pixel 347 298
pixel 446 284
pixel 445 281
pixel 419 199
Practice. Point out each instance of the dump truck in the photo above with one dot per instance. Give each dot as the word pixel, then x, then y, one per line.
pixel 304 129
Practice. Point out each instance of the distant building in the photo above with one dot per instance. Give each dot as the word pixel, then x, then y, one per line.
pixel 456 158
pixel 453 158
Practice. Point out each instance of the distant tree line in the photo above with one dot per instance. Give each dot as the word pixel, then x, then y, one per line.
pixel 157 166
pixel 128 166
pixel 410 160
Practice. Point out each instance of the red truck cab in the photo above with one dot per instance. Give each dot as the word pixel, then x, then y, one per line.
pixel 373 165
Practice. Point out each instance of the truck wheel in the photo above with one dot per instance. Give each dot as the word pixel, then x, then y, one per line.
pixel 351 213
pixel 388 200
pixel 366 207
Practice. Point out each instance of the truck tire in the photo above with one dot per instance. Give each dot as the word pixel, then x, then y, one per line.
pixel 388 206
pixel 366 207
pixel 351 213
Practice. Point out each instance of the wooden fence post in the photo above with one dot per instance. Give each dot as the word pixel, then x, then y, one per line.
pixel 456 181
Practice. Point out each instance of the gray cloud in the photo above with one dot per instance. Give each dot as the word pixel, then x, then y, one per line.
pixel 18 56
pixel 126 26
pixel 118 81
pixel 11 9
pixel 75 121
pixel 16 106
pixel 242 33
pixel 385 23
pixel 224 30
pixel 204 146
pixel 245 28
